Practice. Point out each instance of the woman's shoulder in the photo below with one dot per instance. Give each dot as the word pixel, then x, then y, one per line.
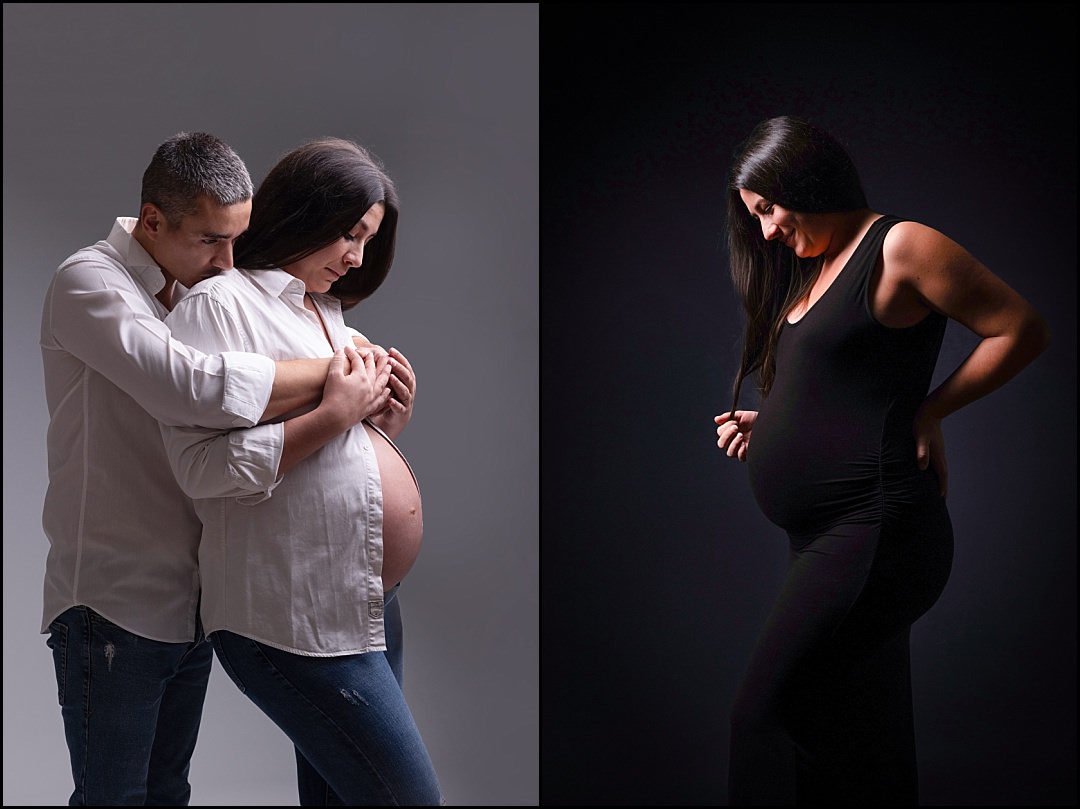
pixel 924 258
pixel 230 289
pixel 226 284
pixel 911 243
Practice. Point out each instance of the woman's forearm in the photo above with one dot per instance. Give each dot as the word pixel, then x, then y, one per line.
pixel 994 362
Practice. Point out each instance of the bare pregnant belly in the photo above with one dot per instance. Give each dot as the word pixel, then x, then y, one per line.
pixel 403 521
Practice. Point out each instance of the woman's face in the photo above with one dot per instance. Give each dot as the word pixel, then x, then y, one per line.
pixel 323 267
pixel 800 231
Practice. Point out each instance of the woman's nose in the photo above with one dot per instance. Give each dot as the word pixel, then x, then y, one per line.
pixel 769 230
pixel 354 256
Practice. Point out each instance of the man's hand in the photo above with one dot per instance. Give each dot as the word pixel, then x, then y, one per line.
pixel 357 386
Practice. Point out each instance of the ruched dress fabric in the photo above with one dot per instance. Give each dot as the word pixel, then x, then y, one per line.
pixel 824 714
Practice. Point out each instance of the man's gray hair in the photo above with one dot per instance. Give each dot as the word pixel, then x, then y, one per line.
pixel 189 165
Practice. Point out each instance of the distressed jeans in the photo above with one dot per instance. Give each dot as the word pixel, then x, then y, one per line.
pixel 313 789
pixel 131 709
pixel 355 738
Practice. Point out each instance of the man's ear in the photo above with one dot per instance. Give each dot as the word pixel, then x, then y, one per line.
pixel 152 220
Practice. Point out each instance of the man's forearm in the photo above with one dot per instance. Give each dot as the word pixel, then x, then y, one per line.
pixel 297 383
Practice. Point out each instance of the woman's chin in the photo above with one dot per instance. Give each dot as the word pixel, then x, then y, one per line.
pixel 803 252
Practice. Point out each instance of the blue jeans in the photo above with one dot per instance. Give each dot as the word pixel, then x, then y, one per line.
pixel 313 789
pixel 131 709
pixel 355 738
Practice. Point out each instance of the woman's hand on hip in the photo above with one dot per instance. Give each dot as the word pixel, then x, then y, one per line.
pixel 930 448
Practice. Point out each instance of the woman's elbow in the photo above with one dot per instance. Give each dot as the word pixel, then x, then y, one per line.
pixel 189 481
pixel 194 469
pixel 1036 334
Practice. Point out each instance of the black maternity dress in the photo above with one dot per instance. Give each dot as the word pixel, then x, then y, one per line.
pixel 824 714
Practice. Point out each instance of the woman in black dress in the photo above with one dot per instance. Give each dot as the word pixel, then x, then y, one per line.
pixel 845 313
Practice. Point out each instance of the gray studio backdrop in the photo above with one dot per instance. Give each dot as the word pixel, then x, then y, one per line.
pixel 447 96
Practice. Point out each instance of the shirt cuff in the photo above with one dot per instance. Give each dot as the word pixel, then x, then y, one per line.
pixel 249 380
pixel 254 457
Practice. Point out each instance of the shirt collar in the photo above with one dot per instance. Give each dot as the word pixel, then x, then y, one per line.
pixel 134 257
pixel 280 284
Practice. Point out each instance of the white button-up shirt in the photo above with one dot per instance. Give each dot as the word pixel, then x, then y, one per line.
pixel 123 535
pixel 293 562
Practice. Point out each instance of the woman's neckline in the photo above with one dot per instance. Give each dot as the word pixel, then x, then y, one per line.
pixel 859 240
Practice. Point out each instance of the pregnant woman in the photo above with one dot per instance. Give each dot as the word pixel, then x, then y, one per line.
pixel 846 309
pixel 311 523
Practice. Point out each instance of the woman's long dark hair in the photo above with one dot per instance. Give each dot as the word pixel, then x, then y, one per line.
pixel 311 198
pixel 788 161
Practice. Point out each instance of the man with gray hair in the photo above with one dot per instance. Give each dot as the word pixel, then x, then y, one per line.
pixel 121 595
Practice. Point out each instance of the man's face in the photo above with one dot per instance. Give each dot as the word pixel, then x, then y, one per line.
pixel 201 245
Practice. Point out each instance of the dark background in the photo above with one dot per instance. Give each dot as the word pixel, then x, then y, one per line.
pixel 657 567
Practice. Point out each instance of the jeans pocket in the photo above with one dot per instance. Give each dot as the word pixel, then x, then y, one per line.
pixel 58 642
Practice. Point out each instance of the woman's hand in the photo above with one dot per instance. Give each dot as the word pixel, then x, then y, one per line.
pixel 356 385
pixel 363 344
pixel 392 418
pixel 733 432
pixel 930 448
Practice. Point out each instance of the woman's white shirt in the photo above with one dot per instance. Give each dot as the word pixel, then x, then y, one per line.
pixel 294 562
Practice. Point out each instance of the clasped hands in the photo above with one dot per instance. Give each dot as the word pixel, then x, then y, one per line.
pixel 392 416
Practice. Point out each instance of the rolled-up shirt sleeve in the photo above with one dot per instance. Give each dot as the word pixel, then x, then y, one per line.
pixel 246 391
pixel 239 463
pixel 104 325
